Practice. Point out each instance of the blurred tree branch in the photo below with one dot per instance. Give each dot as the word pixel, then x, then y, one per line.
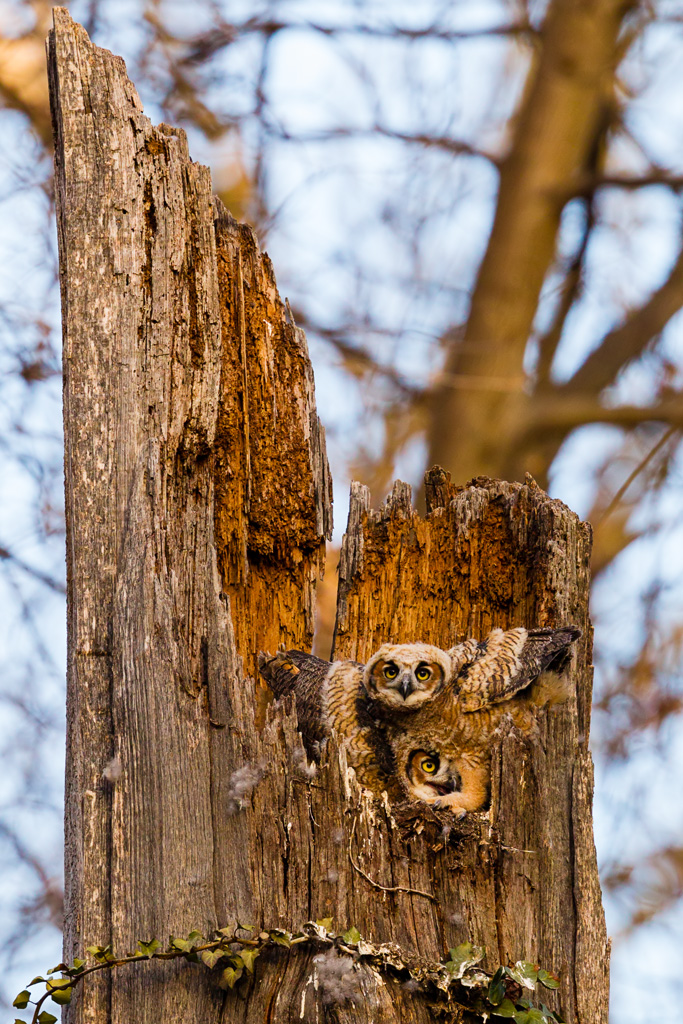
pixel 23 75
pixel 629 340
pixel 570 290
pixel 556 131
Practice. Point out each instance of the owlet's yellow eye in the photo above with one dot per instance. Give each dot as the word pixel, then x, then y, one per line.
pixel 390 671
pixel 428 765
pixel 422 673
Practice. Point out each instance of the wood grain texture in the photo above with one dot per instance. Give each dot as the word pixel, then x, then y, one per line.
pixel 198 500
pixel 273 489
pixel 155 675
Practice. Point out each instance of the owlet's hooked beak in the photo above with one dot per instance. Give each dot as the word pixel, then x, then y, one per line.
pixel 406 685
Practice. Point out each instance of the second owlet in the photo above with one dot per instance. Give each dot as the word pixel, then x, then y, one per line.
pixel 441 742
pixel 418 720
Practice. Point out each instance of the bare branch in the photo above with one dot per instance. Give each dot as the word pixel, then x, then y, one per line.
pixel 356 359
pixel 455 146
pixel 565 109
pixel 630 340
pixel 561 414
pixel 480 382
pixel 658 885
pixel 23 81
pixel 47 905
pixel 642 465
pixel 571 286
pixel 42 577
pixel 658 176
pixel 204 46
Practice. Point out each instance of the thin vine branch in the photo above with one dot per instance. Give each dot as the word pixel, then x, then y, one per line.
pixel 478 992
pixel 384 888
pixel 637 471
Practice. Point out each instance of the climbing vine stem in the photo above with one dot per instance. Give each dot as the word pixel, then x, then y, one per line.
pixel 232 952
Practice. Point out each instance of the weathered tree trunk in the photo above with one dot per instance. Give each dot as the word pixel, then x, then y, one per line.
pixel 198 501
pixel 494 554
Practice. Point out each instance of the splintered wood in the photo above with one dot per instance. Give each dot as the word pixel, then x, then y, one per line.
pixel 495 554
pixel 198 502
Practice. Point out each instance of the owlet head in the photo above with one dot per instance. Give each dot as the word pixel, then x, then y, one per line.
pixel 404 676
pixel 430 776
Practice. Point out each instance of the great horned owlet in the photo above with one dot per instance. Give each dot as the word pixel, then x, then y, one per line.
pixel 331 697
pixel 442 748
pixel 429 776
pixel 424 718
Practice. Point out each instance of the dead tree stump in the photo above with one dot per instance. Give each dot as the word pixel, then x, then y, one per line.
pixel 198 502
pixel 494 554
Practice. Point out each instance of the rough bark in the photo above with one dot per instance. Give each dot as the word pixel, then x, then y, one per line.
pixel 494 554
pixel 181 405
pixel 197 498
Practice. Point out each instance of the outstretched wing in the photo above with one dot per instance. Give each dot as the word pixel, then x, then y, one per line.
pixel 506 662
pixel 303 675
pixel 348 710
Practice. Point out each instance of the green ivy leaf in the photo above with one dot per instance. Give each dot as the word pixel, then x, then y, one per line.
pixel 352 935
pixel 248 956
pixel 36 980
pixel 548 979
pixel 62 996
pixel 182 945
pixel 463 956
pixel 147 949
pixel 525 974
pixel 325 922
pixel 211 957
pixel 230 977
pixel 552 1015
pixel 21 1002
pixel 60 990
pixel 46 1018
pixel 77 966
pixel 522 1017
pixel 245 927
pixel 535 1016
pixel 496 992
pixel 59 967
pixel 102 954
pixel 506 1009
pixel 282 938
